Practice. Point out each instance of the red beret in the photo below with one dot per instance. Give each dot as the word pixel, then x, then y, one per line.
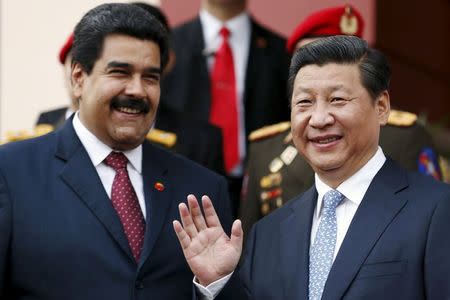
pixel 330 21
pixel 65 49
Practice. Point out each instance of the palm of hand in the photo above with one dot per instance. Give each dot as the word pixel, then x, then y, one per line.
pixel 211 255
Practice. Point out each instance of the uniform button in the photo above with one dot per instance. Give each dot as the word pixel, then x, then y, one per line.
pixel 139 285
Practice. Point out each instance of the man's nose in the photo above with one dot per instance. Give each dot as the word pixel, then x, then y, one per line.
pixel 321 116
pixel 135 87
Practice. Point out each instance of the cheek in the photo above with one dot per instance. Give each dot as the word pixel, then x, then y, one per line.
pixel 298 122
pixel 154 96
pixel 298 128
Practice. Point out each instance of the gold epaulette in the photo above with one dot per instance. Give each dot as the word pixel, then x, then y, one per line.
pixel 20 135
pixel 17 135
pixel 165 138
pixel 401 118
pixel 268 131
pixel 444 164
pixel 42 129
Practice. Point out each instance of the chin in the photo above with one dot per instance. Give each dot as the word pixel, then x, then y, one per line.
pixel 127 141
pixel 325 165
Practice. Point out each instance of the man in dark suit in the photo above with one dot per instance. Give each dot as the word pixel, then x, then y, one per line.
pixel 85 211
pixel 260 63
pixel 195 139
pixel 276 173
pixel 367 229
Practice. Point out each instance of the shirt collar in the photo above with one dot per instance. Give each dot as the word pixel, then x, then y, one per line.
pixel 69 113
pixel 239 26
pixel 98 151
pixel 355 187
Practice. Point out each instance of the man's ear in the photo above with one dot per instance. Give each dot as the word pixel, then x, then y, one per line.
pixel 383 107
pixel 78 78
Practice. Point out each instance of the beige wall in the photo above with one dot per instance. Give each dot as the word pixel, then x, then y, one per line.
pixel 32 33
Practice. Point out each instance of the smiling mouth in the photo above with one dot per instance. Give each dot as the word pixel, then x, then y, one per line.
pixel 128 110
pixel 325 140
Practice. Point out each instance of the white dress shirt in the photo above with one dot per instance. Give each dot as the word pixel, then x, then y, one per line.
pixel 354 189
pixel 98 151
pixel 239 40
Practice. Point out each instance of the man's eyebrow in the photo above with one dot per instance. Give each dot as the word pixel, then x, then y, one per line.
pixel 124 65
pixel 118 64
pixel 153 70
pixel 330 88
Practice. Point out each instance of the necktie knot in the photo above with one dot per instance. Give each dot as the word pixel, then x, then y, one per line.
pixel 116 160
pixel 224 32
pixel 331 199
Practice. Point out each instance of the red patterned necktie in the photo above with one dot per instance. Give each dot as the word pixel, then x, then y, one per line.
pixel 223 101
pixel 126 203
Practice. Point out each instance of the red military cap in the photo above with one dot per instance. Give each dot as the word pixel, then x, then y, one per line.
pixel 65 49
pixel 330 21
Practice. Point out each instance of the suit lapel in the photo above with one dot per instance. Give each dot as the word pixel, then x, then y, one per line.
pixel 157 201
pixel 81 176
pixel 378 208
pixel 295 232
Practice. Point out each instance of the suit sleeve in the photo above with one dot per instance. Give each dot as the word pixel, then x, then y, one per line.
pixel 437 259
pixel 5 233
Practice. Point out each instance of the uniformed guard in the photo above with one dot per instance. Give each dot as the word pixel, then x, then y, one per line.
pixel 276 172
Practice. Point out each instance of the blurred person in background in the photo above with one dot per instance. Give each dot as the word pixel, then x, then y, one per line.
pixel 232 72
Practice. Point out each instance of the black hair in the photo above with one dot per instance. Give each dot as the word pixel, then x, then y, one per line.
pixel 156 12
pixel 342 49
pixel 115 18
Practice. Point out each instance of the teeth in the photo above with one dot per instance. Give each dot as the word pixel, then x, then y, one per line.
pixel 328 140
pixel 129 110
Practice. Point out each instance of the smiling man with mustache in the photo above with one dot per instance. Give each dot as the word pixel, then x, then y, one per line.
pixel 85 211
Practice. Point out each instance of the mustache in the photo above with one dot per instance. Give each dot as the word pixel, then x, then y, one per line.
pixel 130 102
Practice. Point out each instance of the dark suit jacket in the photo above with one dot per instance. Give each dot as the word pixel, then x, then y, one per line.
pixel 60 237
pixel 187 88
pixel 395 248
pixel 197 140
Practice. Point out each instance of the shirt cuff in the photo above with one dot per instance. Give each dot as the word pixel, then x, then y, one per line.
pixel 213 289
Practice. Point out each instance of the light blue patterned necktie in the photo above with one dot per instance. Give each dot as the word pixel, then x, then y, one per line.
pixel 322 251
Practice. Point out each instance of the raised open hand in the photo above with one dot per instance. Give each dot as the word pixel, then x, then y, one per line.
pixel 210 253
